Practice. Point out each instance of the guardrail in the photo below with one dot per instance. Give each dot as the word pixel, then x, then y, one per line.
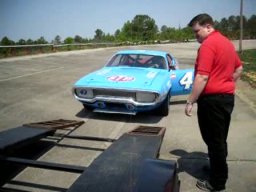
pixel 20 50
pixel 60 45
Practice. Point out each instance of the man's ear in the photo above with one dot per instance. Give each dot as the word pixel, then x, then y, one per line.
pixel 209 27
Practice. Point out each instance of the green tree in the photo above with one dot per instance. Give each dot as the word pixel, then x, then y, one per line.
pixel 22 42
pixel 117 32
pixel 168 33
pixel 231 27
pixel 6 41
pixel 164 28
pixel 187 33
pixel 99 34
pixel 69 40
pixel 143 28
pixel 78 39
pixel 86 40
pixel 29 42
pixel 126 32
pixel 57 40
pixel 222 25
pixel 109 38
pixel 41 40
pixel 251 27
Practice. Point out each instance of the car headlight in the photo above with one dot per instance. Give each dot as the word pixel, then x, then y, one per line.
pixel 145 97
pixel 84 93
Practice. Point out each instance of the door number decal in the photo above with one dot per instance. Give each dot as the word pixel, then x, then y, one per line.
pixel 187 80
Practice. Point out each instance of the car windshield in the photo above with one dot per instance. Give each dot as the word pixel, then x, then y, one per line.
pixel 138 60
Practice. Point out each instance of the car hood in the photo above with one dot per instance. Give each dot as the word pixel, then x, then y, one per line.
pixel 123 78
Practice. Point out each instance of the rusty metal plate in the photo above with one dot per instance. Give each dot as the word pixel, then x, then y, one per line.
pixel 55 124
pixel 148 131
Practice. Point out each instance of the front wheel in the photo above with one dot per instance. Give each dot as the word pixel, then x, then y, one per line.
pixel 88 108
pixel 163 109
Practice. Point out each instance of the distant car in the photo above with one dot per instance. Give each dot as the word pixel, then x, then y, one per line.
pixel 134 81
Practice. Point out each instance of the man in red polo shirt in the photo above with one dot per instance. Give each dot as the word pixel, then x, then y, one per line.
pixel 217 68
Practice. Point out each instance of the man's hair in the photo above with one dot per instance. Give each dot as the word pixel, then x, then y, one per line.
pixel 201 19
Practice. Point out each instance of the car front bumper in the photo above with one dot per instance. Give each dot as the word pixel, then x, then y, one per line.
pixel 119 105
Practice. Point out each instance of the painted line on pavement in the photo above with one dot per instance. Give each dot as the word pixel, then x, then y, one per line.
pixel 31 74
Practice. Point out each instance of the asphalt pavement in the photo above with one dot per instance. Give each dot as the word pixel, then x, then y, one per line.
pixel 38 88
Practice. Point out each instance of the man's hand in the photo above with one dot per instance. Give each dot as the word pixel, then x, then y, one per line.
pixel 188 109
pixel 198 86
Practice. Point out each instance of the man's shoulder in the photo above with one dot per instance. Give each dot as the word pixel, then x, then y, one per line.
pixel 216 38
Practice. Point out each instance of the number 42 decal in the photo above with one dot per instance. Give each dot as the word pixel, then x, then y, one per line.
pixel 187 80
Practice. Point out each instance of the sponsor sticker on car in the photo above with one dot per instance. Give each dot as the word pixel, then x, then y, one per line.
pixel 120 78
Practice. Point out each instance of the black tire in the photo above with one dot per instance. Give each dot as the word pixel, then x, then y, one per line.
pixel 163 109
pixel 88 108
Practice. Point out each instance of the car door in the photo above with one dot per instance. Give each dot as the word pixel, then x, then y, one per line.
pixel 181 81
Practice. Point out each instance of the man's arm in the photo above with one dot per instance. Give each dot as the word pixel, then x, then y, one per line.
pixel 237 73
pixel 198 86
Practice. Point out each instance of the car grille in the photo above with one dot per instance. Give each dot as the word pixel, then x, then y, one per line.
pixel 115 105
pixel 114 93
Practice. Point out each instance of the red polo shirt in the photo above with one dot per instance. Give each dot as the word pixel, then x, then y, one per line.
pixel 218 60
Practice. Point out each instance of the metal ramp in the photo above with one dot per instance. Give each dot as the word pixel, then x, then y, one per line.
pixel 129 164
pixel 55 124
pixel 126 163
pixel 16 139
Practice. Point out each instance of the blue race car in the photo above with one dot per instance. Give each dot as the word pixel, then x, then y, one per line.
pixel 134 81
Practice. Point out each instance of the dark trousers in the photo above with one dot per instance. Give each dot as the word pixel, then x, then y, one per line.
pixel 214 115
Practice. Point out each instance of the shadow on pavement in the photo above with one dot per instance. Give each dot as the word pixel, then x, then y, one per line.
pixel 33 152
pixel 180 102
pixel 142 117
pixel 192 163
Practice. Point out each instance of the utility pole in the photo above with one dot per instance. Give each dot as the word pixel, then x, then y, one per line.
pixel 241 27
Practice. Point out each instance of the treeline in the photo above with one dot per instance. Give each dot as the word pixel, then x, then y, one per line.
pixel 144 29
pixel 231 27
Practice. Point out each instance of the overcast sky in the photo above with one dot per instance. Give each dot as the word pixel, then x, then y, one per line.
pixel 48 18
